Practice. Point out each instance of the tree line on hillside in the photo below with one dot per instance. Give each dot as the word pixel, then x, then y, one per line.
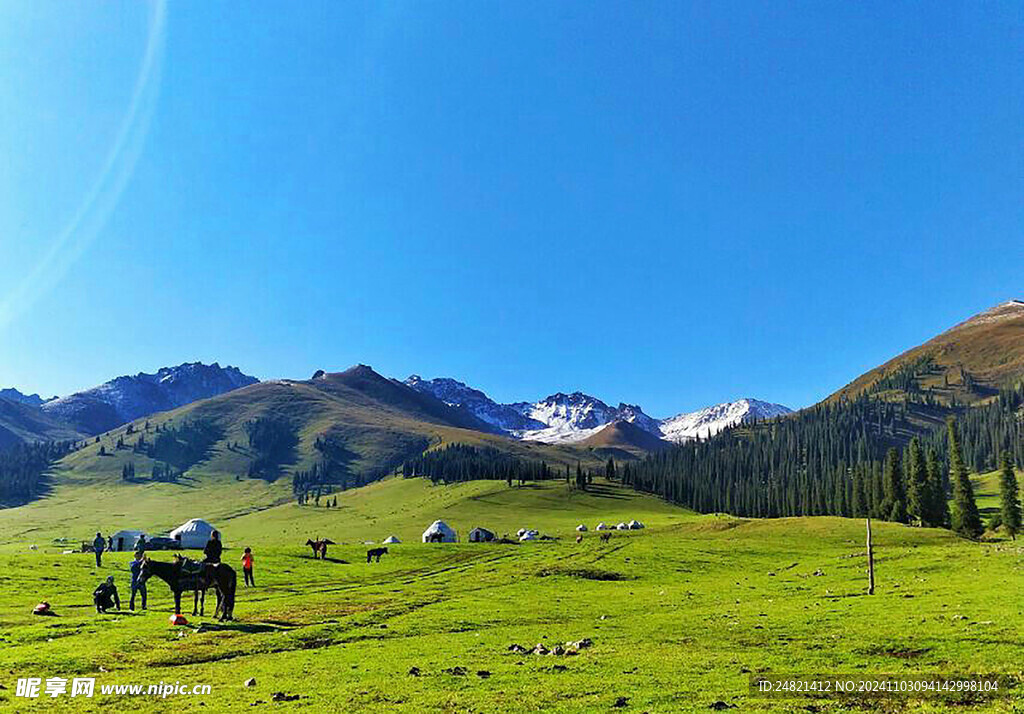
pixel 860 457
pixel 273 439
pixel 455 463
pixel 174 448
pixel 24 468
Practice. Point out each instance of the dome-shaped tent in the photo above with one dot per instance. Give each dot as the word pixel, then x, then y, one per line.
pixel 601 527
pixel 581 528
pixel 193 533
pixel 635 525
pixel 440 532
pixel 481 535
pixel 529 535
pixel 390 540
pixel 125 540
pixel 622 527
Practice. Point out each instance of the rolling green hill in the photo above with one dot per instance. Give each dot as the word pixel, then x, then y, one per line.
pixel 679 616
pixel 27 423
pixel 364 424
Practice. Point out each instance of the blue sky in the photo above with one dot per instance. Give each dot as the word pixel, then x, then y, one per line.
pixel 666 203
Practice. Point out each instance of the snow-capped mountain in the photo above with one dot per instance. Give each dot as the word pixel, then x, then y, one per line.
pixel 504 417
pixel 126 398
pixel 710 421
pixel 13 395
pixel 569 418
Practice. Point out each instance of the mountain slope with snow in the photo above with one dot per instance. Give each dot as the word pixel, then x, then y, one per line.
pixel 130 397
pixel 575 417
pixel 13 395
pixel 711 420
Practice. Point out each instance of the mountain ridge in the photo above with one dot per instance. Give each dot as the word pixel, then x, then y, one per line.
pixel 129 397
pixel 574 417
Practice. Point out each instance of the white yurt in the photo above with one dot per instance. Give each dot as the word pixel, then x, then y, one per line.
pixel 125 539
pixel 635 525
pixel 447 534
pixel 481 535
pixel 622 527
pixel 529 535
pixel 390 539
pixel 519 533
pixel 193 533
pixel 601 527
pixel 581 528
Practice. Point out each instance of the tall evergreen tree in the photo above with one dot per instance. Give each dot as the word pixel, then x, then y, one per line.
pixel 937 503
pixel 964 518
pixel 1009 497
pixel 917 483
pixel 894 506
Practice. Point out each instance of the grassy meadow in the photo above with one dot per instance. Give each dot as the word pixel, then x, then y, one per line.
pixel 680 614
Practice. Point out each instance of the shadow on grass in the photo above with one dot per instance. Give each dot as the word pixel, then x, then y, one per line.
pixel 246 627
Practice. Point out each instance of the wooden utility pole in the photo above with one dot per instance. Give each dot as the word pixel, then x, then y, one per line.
pixel 871 562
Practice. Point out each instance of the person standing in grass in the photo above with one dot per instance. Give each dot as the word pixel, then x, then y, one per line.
pixel 98 544
pixel 247 567
pixel 140 544
pixel 137 585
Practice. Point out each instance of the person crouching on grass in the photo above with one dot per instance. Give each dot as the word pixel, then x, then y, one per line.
pixel 137 587
pixel 105 596
pixel 247 567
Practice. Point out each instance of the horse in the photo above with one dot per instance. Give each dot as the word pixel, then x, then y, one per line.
pixel 375 552
pixel 219 575
pixel 605 537
pixel 319 547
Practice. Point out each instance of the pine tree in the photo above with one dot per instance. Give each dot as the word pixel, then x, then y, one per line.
pixel 964 518
pixel 894 506
pixel 917 483
pixel 937 503
pixel 1009 497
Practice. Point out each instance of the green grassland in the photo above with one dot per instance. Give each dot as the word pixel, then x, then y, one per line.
pixel 681 614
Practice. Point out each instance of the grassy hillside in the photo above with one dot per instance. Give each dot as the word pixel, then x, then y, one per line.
pixel 680 615
pixel 967 362
pixel 27 423
pixel 623 440
pixel 374 423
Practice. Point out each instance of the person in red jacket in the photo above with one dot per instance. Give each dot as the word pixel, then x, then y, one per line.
pixel 247 567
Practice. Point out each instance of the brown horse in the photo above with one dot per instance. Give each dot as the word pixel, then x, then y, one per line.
pixel 319 547
pixel 220 576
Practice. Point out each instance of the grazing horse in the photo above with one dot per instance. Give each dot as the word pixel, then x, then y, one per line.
pixel 375 552
pixel 319 547
pixel 605 537
pixel 179 579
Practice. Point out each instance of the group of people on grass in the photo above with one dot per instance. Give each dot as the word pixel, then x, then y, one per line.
pixel 106 597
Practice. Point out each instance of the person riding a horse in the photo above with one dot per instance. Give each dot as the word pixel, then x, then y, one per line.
pixel 214 548
pixel 183 575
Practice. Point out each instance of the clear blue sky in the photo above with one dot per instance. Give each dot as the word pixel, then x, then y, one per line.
pixel 669 203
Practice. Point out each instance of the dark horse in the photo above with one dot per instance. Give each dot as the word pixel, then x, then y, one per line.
pixel 219 576
pixel 376 553
pixel 319 547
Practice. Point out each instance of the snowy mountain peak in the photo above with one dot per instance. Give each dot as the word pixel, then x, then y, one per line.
pixel 711 420
pixel 504 417
pixel 130 397
pixel 575 416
